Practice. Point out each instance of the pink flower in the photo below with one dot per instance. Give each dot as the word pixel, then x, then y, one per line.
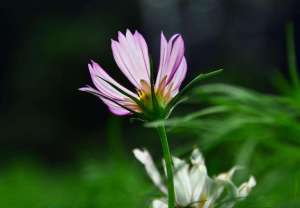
pixel 131 55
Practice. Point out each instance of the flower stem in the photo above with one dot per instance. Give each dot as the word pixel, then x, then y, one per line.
pixel 291 55
pixel 168 160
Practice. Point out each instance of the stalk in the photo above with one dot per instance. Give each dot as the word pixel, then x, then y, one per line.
pixel 168 160
pixel 291 52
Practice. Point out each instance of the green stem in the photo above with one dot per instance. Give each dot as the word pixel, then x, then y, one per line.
pixel 168 160
pixel 291 51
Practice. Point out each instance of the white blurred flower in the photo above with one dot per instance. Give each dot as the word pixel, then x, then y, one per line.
pixel 193 187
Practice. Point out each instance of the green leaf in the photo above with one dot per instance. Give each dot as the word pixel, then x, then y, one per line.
pixel 190 86
pixel 291 53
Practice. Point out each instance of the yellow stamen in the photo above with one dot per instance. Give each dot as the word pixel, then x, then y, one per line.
pixel 202 201
pixel 162 93
pixel 145 91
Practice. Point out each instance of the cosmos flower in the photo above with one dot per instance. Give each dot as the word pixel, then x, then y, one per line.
pixel 131 54
pixel 193 187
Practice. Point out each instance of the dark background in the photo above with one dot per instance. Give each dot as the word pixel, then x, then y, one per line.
pixel 46 45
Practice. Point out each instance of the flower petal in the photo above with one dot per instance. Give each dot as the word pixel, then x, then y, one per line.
pixel 98 76
pixel 141 43
pixel 227 175
pixel 145 158
pixel 246 187
pixel 131 55
pixel 210 193
pixel 171 55
pixel 224 180
pixel 197 174
pixel 159 203
pixel 113 107
pixel 179 77
pixel 196 157
pixel 182 184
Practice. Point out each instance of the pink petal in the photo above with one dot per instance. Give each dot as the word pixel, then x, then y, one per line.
pixel 131 56
pixel 114 108
pixel 105 90
pixel 171 56
pixel 144 50
pixel 176 55
pixel 98 74
pixel 163 54
pixel 179 76
pixel 123 63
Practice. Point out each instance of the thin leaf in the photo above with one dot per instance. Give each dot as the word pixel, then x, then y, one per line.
pixel 190 86
pixel 291 53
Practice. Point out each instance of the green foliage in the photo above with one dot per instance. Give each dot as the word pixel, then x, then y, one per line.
pixel 258 131
pixel 235 126
pixel 94 185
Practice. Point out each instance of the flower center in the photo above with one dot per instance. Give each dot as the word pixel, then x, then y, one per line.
pixel 145 93
pixel 162 94
pixel 199 204
pixel 202 201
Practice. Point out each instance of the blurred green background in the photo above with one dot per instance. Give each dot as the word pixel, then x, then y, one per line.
pixel 60 148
